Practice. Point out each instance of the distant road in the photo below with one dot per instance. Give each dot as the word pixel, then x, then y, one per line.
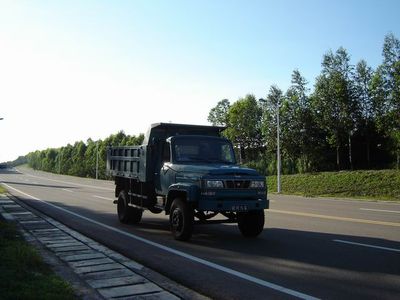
pixel 322 248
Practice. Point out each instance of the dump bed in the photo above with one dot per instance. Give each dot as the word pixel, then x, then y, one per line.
pixel 138 162
pixel 126 161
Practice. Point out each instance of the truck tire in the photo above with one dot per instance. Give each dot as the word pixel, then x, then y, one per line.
pixel 127 214
pixel 181 219
pixel 135 215
pixel 251 223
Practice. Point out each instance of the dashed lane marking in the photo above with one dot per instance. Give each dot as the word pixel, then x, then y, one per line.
pixel 104 198
pixel 364 221
pixel 73 183
pixel 367 245
pixel 381 210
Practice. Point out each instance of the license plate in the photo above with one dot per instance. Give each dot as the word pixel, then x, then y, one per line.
pixel 239 208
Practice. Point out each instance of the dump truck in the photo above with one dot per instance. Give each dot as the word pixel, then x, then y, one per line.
pixel 190 173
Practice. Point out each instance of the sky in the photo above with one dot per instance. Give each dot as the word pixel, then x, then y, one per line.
pixel 72 70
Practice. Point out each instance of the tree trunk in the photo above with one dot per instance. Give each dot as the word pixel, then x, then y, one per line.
pixel 398 159
pixel 350 157
pixel 338 157
pixel 368 154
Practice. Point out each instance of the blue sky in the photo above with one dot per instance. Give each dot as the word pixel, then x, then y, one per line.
pixel 71 70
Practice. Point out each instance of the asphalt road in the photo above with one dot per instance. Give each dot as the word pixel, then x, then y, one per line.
pixel 322 248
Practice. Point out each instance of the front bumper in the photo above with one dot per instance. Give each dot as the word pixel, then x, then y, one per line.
pixel 225 200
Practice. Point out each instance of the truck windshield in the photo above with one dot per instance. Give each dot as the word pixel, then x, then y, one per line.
pixel 203 150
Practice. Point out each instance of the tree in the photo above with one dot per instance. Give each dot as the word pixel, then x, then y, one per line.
pixel 244 129
pixel 366 125
pixel 219 114
pixel 298 127
pixel 333 100
pixel 391 75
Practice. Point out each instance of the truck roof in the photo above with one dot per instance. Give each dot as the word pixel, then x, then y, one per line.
pixel 165 130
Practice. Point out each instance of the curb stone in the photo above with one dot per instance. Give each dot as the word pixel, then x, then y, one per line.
pixel 94 271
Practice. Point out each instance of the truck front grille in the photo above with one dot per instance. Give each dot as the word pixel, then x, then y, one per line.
pixel 237 184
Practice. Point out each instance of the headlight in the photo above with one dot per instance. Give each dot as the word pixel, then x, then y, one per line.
pixel 214 184
pixel 257 184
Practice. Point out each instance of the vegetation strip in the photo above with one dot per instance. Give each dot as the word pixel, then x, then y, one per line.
pixel 372 184
pixel 23 274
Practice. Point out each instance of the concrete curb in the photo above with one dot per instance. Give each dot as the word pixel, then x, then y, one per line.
pixel 102 272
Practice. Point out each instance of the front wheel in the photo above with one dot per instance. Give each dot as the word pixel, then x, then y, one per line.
pixel 251 223
pixel 181 219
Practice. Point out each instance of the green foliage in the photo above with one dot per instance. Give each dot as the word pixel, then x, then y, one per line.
pixel 80 159
pixel 219 114
pixel 350 120
pixel 379 184
pixel 23 274
pixel 244 125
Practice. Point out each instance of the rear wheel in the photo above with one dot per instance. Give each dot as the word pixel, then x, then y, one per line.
pixel 127 214
pixel 251 223
pixel 181 220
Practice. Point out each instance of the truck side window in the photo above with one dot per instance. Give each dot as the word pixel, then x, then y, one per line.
pixel 166 153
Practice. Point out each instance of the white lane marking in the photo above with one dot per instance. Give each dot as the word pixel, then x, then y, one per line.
pixel 67 190
pixel 180 253
pixel 367 245
pixel 381 210
pixel 104 198
pixel 73 183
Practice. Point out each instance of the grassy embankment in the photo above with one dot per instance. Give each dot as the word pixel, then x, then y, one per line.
pixel 372 184
pixel 23 274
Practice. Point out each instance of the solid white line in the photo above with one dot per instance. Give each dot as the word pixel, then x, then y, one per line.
pixel 104 198
pixel 366 245
pixel 180 253
pixel 68 190
pixel 381 210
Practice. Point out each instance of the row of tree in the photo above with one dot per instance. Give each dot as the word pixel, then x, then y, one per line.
pixel 80 159
pixel 351 119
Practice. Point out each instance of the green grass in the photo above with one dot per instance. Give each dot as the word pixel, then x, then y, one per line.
pixel 2 190
pixel 377 185
pixel 23 274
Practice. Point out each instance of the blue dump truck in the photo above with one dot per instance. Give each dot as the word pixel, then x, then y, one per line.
pixel 190 173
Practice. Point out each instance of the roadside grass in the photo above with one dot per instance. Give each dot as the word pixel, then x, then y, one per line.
pixel 23 274
pixel 371 184
pixel 2 189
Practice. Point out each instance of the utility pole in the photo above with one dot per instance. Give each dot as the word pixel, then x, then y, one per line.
pixel 278 148
pixel 278 144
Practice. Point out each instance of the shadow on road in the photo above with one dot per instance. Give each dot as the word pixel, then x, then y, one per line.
pixel 40 185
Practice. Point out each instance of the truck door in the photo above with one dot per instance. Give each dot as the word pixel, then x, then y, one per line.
pixel 163 172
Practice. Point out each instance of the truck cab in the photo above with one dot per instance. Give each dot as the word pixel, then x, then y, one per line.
pixel 190 173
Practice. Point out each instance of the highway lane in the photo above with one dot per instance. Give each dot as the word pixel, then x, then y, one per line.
pixel 315 247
